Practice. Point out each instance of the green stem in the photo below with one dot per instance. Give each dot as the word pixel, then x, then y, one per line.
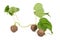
pixel 21 25
pixel 48 14
pixel 17 17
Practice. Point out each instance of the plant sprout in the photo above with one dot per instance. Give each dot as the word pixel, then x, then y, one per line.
pixel 11 11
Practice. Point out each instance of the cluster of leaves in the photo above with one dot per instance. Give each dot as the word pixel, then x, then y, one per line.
pixel 43 22
pixel 11 10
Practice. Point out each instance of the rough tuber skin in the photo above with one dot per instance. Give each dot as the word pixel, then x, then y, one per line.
pixel 14 28
pixel 40 32
pixel 33 27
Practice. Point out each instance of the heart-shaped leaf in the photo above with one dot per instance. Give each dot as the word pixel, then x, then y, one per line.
pixel 38 10
pixel 12 10
pixel 44 24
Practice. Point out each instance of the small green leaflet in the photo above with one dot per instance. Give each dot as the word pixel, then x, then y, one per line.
pixel 7 8
pixel 11 10
pixel 38 10
pixel 44 24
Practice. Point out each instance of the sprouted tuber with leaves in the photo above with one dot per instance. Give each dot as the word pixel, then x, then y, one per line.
pixel 11 11
pixel 43 23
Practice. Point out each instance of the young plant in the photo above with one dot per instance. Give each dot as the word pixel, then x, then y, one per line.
pixel 43 23
pixel 11 11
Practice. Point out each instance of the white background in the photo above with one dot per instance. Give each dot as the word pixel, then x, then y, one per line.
pixel 26 16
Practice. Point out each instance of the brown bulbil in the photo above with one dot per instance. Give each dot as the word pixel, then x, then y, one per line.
pixel 40 32
pixel 33 27
pixel 14 28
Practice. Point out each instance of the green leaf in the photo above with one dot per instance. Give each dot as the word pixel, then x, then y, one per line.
pixel 7 8
pixel 12 10
pixel 38 10
pixel 44 24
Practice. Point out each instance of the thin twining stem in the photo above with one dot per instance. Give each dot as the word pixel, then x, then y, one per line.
pixel 21 25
